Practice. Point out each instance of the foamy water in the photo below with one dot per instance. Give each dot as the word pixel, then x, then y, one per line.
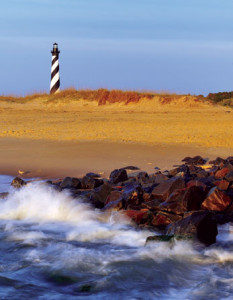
pixel 53 246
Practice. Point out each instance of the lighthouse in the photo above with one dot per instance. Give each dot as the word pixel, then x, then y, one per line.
pixel 55 77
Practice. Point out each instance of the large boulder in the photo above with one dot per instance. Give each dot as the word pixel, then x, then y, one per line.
pixel 197 183
pixel 115 201
pixel 164 189
pixel 131 168
pixel 142 178
pixel 175 203
pixel 218 161
pixel 18 182
pixel 153 205
pixel 229 166
pixel 162 219
pixel 222 184
pixel 94 175
pixel 216 200
pixel 221 173
pixel 118 175
pixel 229 176
pixel 158 178
pixel 70 182
pixel 194 197
pixel 200 225
pixel 196 160
pixel 130 197
pixel 143 216
pixel 100 194
pixel 230 159
pixel 182 170
pixel 181 201
pixel 90 182
pixel 133 195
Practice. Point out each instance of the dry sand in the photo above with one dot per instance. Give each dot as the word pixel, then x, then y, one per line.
pixel 73 137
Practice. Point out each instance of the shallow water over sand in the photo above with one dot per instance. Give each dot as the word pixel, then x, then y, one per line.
pixel 55 247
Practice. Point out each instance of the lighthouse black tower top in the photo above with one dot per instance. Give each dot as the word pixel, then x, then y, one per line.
pixel 55 77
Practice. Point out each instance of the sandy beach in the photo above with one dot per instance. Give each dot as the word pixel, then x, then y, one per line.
pixel 53 159
pixel 69 138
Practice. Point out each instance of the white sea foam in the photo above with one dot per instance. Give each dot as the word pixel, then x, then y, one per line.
pixel 57 234
pixel 58 211
pixel 39 202
pixel 28 237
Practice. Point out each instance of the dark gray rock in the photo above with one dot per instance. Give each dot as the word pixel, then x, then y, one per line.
pixel 99 196
pixel 196 160
pixel 94 175
pixel 118 175
pixel 152 205
pixel 217 161
pixel 115 200
pixel 70 182
pixel 3 195
pixel 229 176
pixel 200 225
pixel 18 182
pixel 90 182
pixel 142 177
pixel 131 168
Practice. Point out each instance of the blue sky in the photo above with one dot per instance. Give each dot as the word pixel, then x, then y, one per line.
pixel 183 46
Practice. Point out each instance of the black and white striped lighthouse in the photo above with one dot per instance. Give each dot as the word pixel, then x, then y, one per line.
pixel 55 77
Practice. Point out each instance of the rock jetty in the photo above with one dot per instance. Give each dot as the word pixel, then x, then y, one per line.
pixel 187 202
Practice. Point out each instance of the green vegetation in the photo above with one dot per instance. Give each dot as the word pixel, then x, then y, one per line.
pixel 223 98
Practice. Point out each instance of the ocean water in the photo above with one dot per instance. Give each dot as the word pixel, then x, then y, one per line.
pixel 55 247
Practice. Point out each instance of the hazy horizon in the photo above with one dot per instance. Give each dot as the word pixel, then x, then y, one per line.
pixel 158 45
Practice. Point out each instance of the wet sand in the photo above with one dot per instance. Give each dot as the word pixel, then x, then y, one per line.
pixel 53 159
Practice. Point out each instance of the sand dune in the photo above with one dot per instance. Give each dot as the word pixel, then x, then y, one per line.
pixel 182 121
pixel 157 122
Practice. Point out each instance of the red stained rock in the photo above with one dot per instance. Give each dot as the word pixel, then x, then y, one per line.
pixel 180 201
pixel 174 203
pixel 222 184
pixel 221 173
pixel 146 197
pixel 113 196
pixel 197 183
pixel 163 219
pixel 164 189
pixel 139 216
pixel 216 200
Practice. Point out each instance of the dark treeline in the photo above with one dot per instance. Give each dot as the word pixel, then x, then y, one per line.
pixel 225 98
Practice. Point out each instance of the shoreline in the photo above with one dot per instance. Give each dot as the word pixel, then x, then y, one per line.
pixel 57 159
